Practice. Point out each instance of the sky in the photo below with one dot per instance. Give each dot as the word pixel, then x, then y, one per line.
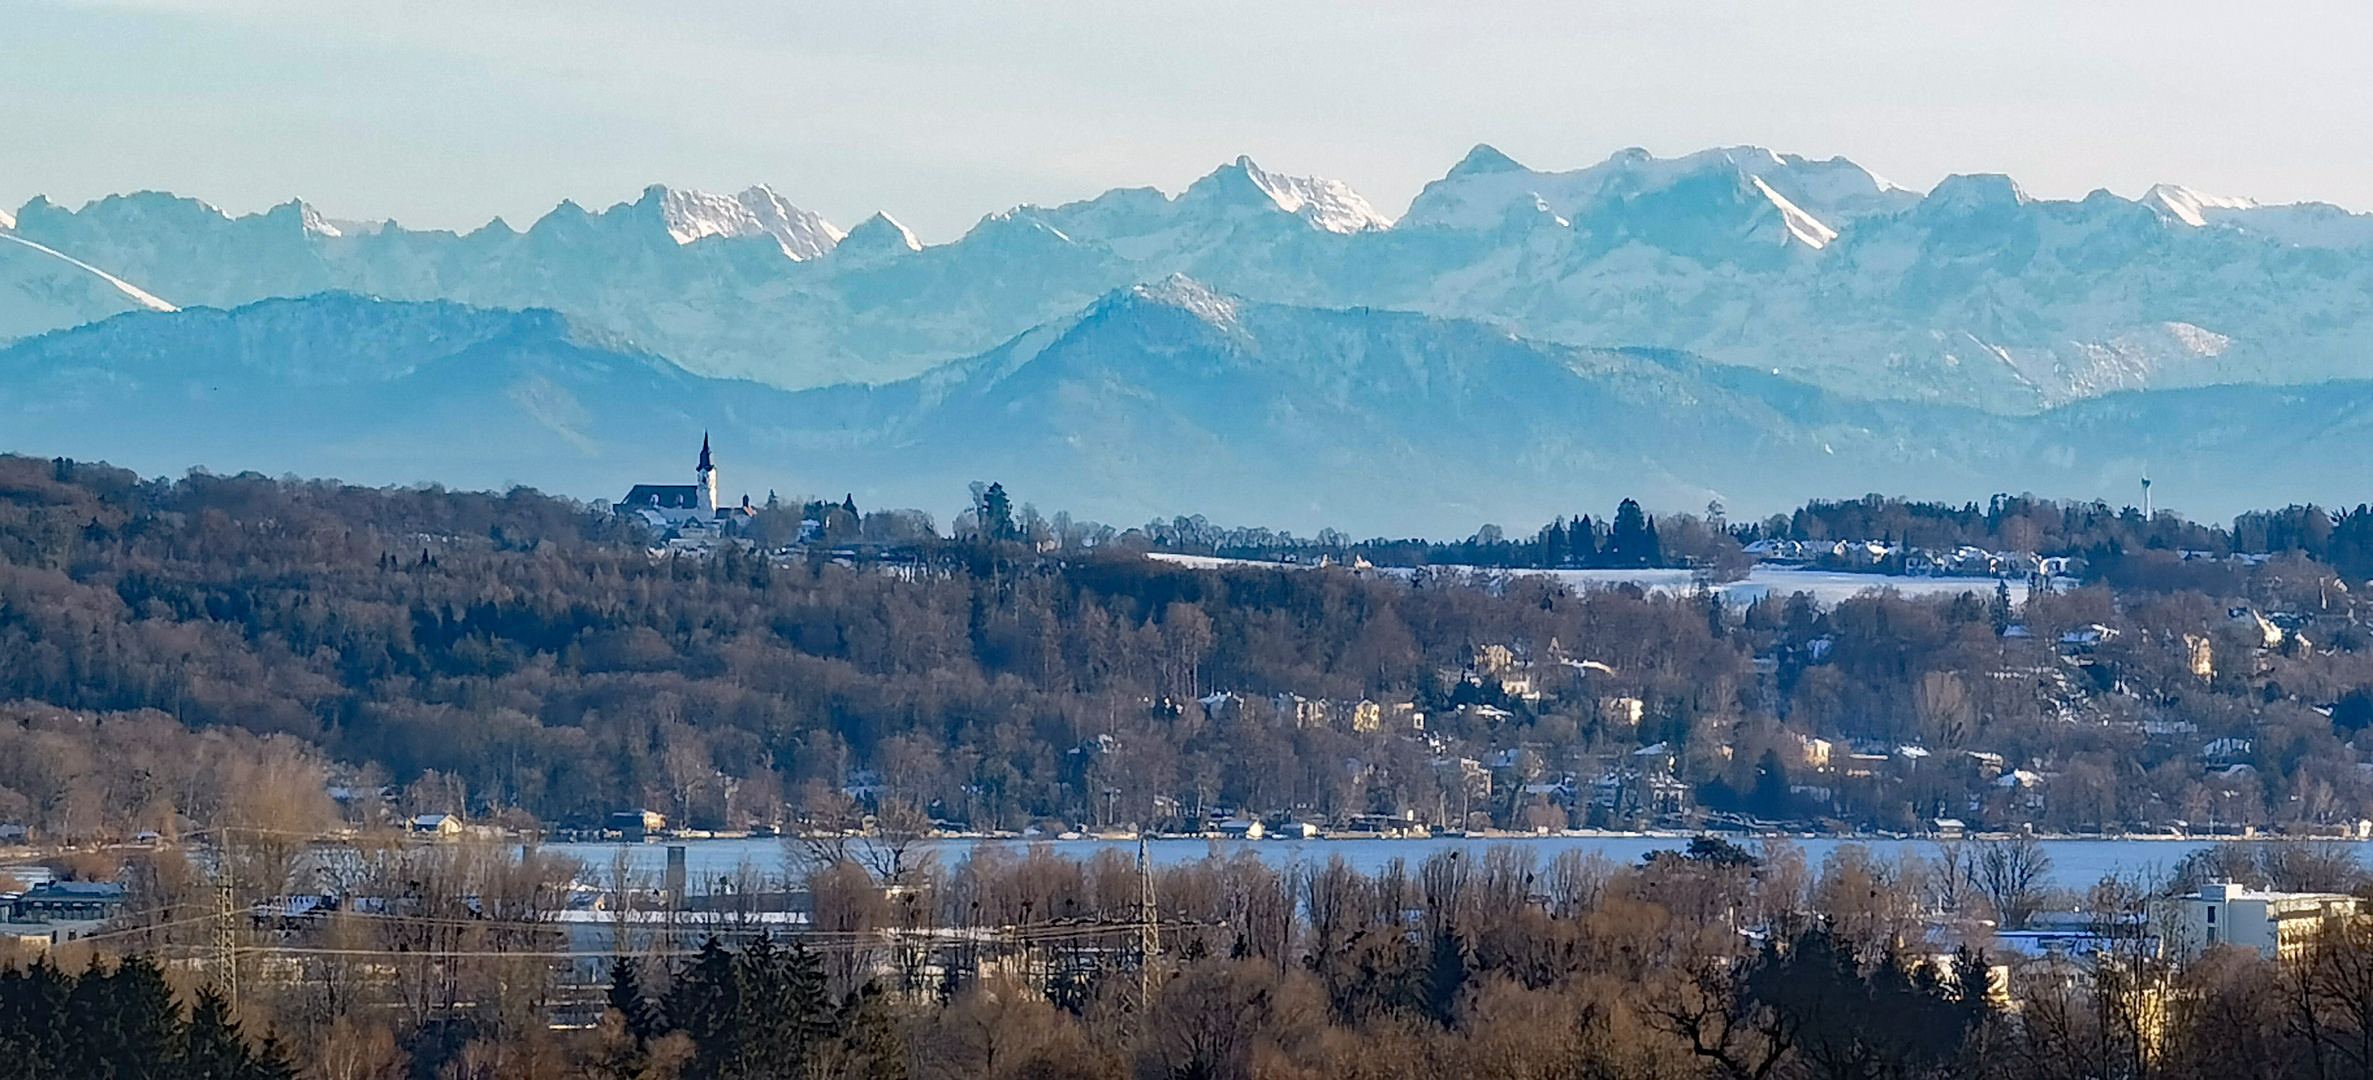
pixel 446 113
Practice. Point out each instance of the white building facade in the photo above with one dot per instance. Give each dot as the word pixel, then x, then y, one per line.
pixel 2279 925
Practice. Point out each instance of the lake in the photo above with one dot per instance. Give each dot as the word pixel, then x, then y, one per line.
pixel 2076 864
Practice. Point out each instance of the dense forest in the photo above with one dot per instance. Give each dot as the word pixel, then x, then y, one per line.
pixel 520 657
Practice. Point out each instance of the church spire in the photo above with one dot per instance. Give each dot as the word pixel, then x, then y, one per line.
pixel 704 480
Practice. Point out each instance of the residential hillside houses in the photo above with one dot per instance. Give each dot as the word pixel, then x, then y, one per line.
pixel 1964 561
pixel 1361 716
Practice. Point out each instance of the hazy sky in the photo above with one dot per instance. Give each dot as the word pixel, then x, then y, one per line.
pixel 443 114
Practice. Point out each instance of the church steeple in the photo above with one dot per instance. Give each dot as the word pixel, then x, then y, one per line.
pixel 704 479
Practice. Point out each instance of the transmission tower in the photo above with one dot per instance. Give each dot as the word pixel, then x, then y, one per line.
pixel 226 939
pixel 1149 928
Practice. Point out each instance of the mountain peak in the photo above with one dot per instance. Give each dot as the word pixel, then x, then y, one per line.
pixel 1483 160
pixel 1188 295
pixel 1975 191
pixel 2189 206
pixel 309 220
pixel 1486 189
pixel 1330 205
pixel 756 211
pixel 879 233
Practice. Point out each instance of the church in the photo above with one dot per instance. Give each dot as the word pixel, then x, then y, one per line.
pixel 682 506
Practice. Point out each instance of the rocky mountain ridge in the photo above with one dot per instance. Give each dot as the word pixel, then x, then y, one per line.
pixel 1972 292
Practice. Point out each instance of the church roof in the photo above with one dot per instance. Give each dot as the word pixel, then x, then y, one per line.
pixel 664 496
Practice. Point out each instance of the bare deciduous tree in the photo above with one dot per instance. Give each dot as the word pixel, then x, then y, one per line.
pixel 2012 873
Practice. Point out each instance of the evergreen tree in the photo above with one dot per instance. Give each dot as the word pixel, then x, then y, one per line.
pixel 125 1023
pixel 1632 540
pixel 996 514
pixel 1582 542
pixel 626 996
pixel 759 1012
pixel 1888 1021
pixel 34 1037
pixel 1770 797
pixel 771 1027
pixel 811 995
pixel 214 1049
pixel 1553 543
pixel 705 1004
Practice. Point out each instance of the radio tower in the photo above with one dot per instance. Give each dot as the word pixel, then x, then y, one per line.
pixel 1149 929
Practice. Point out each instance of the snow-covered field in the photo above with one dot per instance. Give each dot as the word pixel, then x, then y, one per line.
pixel 1826 587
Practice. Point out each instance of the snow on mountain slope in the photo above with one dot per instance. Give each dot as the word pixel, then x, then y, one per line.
pixel 188 250
pixel 2306 225
pixel 130 291
pixel 1487 185
pixel 42 290
pixel 1143 224
pixel 1328 204
pixel 1803 226
pixel 1972 292
pixel 2187 205
pixel 757 211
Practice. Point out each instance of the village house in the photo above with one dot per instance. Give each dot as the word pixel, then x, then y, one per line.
pixel 635 826
pixel 2279 925
pixel 68 901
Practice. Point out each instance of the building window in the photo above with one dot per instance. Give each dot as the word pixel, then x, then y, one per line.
pixel 2212 914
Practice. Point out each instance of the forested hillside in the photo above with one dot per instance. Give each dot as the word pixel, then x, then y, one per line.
pixel 492 654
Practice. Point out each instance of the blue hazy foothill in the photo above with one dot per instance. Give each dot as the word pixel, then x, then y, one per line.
pixel 1152 400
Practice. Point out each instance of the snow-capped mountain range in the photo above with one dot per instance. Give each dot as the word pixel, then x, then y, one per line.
pixel 1735 324
pixel 1970 292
